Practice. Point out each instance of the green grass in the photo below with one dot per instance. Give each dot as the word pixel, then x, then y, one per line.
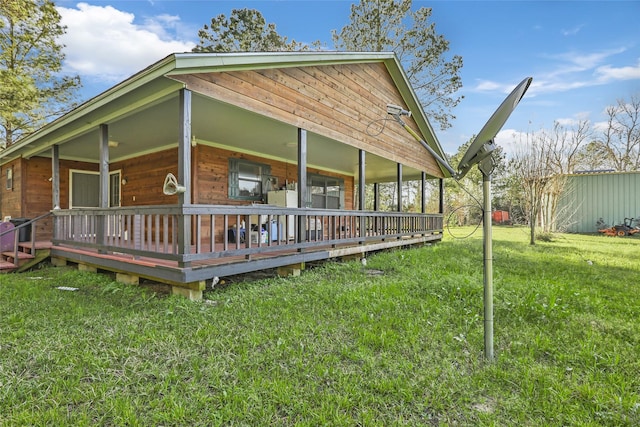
pixel 341 345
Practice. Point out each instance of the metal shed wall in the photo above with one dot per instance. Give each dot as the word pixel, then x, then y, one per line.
pixel 587 197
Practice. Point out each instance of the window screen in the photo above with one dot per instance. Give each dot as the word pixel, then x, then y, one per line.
pixel 85 189
pixel 246 179
pixel 326 192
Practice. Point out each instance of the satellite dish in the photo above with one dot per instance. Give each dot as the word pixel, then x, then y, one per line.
pixel 483 145
pixel 171 186
pixel 479 153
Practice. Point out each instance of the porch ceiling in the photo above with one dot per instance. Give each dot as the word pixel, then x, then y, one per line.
pixel 156 127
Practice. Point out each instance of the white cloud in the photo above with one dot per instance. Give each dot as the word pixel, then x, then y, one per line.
pixel 572 31
pixel 578 61
pixel 575 71
pixel 489 86
pixel 105 43
pixel 570 122
pixel 511 140
pixel 607 73
pixel 601 127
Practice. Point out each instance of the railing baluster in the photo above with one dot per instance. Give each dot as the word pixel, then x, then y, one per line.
pixel 198 235
pixel 212 233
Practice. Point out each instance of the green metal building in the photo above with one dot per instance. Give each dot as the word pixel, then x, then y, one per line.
pixel 589 196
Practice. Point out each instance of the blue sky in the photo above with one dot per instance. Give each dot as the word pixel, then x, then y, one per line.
pixel 582 55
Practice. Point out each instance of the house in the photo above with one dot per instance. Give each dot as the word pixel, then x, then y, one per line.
pixel 590 196
pixel 206 165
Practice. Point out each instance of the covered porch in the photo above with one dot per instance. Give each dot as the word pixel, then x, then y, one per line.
pixel 150 242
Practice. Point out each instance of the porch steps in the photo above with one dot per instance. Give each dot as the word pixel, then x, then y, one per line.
pixel 28 256
pixel 7 267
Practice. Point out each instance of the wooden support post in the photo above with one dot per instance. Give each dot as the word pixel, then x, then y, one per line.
pixel 441 204
pixel 361 195
pixel 399 188
pixel 103 196
pixel 58 262
pixel 191 291
pixel 190 294
pixel 184 174
pixel 128 279
pixel 291 270
pixel 423 192
pixel 88 268
pixel 302 184
pixel 55 177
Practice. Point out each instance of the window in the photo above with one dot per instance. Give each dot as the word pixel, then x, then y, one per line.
pixel 246 179
pixel 326 192
pixel 10 179
pixel 114 189
pixel 85 189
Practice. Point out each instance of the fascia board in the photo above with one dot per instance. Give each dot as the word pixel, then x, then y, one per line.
pixel 188 63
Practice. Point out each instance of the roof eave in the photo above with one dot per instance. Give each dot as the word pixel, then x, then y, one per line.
pixel 208 62
pixel 152 72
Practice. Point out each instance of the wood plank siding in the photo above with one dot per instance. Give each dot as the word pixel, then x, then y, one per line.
pixel 145 175
pixel 12 200
pixel 341 102
pixel 211 167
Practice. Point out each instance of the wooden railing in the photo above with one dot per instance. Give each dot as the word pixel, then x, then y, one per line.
pixel 200 232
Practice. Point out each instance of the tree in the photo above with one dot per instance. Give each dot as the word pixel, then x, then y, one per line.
pixel 532 165
pixel 621 137
pixel 32 90
pixel 562 145
pixel 592 156
pixel 390 25
pixel 244 31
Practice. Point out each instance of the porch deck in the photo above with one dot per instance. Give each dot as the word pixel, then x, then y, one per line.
pixel 149 242
pixel 169 271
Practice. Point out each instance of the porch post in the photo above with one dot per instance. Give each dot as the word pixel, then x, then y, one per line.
pixel 399 209
pixel 184 147
pixel 184 173
pixel 104 167
pixel 361 191
pixel 441 207
pixel 376 197
pixel 361 179
pixel 55 176
pixel 103 198
pixel 302 183
pixel 423 188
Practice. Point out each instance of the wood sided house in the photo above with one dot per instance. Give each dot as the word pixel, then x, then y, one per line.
pixel 271 153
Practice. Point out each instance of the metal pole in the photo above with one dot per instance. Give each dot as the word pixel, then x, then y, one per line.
pixel 488 269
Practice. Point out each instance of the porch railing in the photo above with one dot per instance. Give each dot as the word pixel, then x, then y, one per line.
pixel 200 232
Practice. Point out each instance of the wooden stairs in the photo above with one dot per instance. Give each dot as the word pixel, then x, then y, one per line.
pixel 28 255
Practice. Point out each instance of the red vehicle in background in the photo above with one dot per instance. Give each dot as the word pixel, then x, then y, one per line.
pixel 500 218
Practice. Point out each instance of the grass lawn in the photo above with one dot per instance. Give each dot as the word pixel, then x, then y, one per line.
pixel 398 342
